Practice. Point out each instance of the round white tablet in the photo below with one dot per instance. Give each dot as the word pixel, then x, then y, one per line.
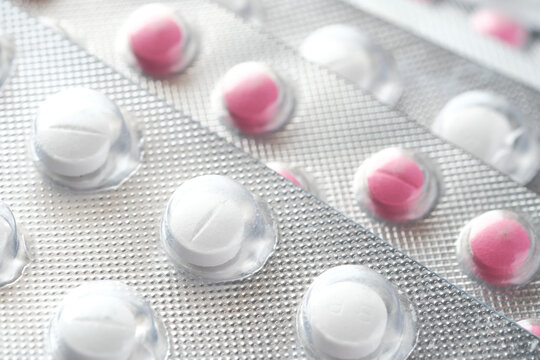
pixel 96 328
pixel 468 127
pixel 74 131
pixel 355 56
pixel 208 218
pixel 350 312
pixel 348 320
pixel 106 320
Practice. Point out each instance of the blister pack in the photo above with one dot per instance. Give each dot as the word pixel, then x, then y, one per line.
pixel 335 127
pixel 278 310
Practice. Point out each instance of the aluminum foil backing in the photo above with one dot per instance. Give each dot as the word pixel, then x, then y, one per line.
pixel 114 235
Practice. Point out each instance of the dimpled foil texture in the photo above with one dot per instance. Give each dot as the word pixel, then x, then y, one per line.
pixel 335 126
pixel 115 235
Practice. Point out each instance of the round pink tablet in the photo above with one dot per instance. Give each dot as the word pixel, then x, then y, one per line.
pixel 498 25
pixel 251 95
pixel 499 249
pixel 396 183
pixel 155 38
pixel 532 325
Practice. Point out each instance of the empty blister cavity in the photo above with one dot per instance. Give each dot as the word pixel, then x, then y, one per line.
pixel 106 320
pixel 156 40
pixel 215 229
pixel 83 141
pixel 397 185
pixel 532 325
pixel 253 99
pixel 355 56
pixel 7 54
pixel 351 312
pixel 499 248
pixel 487 126
pixel 13 251
pixel 251 10
pixel 295 175
pixel 499 25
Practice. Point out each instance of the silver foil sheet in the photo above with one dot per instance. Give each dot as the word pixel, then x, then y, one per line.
pixel 114 235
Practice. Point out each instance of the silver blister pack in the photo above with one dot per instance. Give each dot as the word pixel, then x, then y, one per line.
pixel 336 126
pixel 431 75
pixel 115 235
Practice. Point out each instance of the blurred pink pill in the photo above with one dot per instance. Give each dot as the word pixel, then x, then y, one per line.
pixel 532 325
pixel 156 39
pixel 397 183
pixel 287 175
pixel 498 25
pixel 251 95
pixel 499 249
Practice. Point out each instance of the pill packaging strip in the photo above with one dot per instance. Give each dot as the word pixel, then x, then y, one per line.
pixel 335 126
pixel 447 24
pixel 431 75
pixel 114 235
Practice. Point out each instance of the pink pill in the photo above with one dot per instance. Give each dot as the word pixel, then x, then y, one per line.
pixel 252 96
pixel 498 25
pixel 398 182
pixel 287 175
pixel 397 185
pixel 157 40
pixel 532 325
pixel 499 249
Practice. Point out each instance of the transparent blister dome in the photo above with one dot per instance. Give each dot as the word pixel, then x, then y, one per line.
pixel 489 127
pixel 253 99
pixel 106 320
pixel 82 141
pixel 350 312
pixel 349 52
pixel 251 10
pixel 7 55
pixel 296 175
pixel 532 325
pixel 157 41
pixel 14 253
pixel 215 230
pixel 499 248
pixel 397 185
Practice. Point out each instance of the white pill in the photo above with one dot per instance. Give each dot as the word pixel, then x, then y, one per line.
pixel 95 328
pixel 478 129
pixel 343 49
pixel 354 55
pixel 74 131
pixel 209 218
pixel 348 320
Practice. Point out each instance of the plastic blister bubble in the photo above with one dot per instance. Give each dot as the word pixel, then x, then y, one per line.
pixel 487 126
pixel 297 176
pixel 14 255
pixel 251 10
pixel 397 185
pixel 216 230
pixel 355 56
pixel 253 99
pixel 499 248
pixel 7 55
pixel 106 320
pixel 81 140
pixel 351 312
pixel 156 40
